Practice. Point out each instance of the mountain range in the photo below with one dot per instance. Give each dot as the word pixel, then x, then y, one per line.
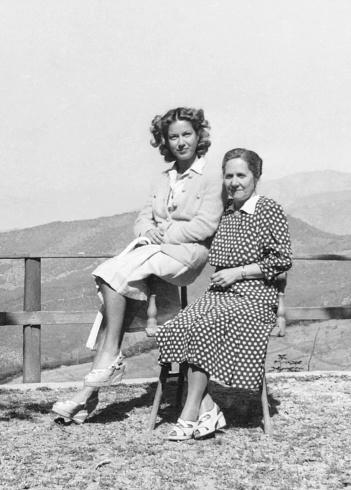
pixel 321 199
pixel 67 283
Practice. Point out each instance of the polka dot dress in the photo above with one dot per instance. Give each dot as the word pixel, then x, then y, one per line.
pixel 225 332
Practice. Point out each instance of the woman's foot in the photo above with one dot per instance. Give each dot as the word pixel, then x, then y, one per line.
pixel 183 430
pixel 209 422
pixel 191 410
pixel 110 375
pixel 78 412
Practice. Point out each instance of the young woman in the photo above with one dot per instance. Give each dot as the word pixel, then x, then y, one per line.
pixel 175 230
pixel 224 334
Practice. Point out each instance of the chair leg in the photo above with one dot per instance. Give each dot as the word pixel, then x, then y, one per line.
pixel 180 387
pixel 267 424
pixel 158 396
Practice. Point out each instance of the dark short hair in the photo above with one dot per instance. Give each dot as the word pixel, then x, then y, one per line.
pixel 160 125
pixel 254 162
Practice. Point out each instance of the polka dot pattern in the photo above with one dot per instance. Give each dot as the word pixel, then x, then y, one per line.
pixel 225 332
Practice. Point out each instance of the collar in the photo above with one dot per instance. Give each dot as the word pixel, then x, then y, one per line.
pixel 250 205
pixel 196 167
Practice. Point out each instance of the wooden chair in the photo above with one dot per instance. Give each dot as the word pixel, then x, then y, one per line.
pixel 166 372
pixel 280 332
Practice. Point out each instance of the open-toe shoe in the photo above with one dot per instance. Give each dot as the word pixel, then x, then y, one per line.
pixel 209 422
pixel 112 375
pixel 183 430
pixel 77 412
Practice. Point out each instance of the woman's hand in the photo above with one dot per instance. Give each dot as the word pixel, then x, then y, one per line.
pixel 226 277
pixel 155 236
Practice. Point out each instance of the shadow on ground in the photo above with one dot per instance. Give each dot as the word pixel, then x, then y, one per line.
pixel 241 408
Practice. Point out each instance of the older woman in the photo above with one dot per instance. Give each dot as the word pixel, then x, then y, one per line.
pixel 224 334
pixel 175 230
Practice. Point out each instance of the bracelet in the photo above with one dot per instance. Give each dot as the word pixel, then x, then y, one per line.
pixel 243 273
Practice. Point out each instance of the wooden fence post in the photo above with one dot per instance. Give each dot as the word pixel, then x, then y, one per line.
pixel 32 333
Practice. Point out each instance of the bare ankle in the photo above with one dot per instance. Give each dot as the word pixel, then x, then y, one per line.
pixel 190 415
pixel 105 359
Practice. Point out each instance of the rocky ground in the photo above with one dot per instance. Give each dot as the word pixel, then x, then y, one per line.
pixel 309 447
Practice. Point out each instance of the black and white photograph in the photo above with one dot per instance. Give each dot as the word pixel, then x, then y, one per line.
pixel 175 244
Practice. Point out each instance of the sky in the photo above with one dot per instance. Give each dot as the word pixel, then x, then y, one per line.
pixel 82 80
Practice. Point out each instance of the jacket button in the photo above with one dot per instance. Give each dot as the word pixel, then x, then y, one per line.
pixel 183 190
pixel 190 176
pixel 198 196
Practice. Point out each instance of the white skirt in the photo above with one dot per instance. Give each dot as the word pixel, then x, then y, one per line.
pixel 127 274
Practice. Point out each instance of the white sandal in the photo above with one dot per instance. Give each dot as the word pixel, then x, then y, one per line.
pixel 209 422
pixel 112 375
pixel 77 412
pixel 183 430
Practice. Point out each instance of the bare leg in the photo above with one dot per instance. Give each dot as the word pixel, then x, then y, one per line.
pixel 110 344
pixel 82 395
pixel 198 399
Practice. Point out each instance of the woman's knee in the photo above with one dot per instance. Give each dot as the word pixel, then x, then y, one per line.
pixel 197 369
pixel 108 292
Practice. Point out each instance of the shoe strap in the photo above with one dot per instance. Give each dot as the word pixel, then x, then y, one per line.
pixel 207 415
pixel 119 359
pixel 98 371
pixel 117 363
pixel 187 424
pixel 71 402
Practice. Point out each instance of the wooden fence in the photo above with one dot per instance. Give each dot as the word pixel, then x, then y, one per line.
pixel 31 317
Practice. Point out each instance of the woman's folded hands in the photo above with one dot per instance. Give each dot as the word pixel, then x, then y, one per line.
pixel 226 277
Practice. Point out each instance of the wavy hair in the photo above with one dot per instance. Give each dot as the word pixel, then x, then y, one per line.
pixel 160 125
pixel 254 162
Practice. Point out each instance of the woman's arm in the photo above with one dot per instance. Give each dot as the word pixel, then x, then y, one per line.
pixel 275 247
pixel 275 242
pixel 204 224
pixel 145 220
pixel 227 277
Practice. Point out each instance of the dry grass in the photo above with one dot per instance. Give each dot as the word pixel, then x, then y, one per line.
pixel 308 449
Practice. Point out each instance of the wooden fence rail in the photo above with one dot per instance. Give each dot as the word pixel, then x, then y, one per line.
pixel 32 317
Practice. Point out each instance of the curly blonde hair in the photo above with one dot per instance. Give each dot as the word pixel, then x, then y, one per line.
pixel 160 125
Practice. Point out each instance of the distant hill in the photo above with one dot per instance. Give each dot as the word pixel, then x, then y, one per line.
pixel 101 235
pixel 327 211
pixel 307 239
pixel 321 199
pixel 290 189
pixel 67 284
pixel 106 235
pixel 62 279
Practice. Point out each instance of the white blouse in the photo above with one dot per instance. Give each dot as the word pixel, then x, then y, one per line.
pixel 177 183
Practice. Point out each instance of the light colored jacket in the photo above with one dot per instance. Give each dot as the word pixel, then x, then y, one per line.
pixel 189 227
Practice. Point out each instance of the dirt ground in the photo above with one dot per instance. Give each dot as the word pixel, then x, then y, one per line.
pixel 308 449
